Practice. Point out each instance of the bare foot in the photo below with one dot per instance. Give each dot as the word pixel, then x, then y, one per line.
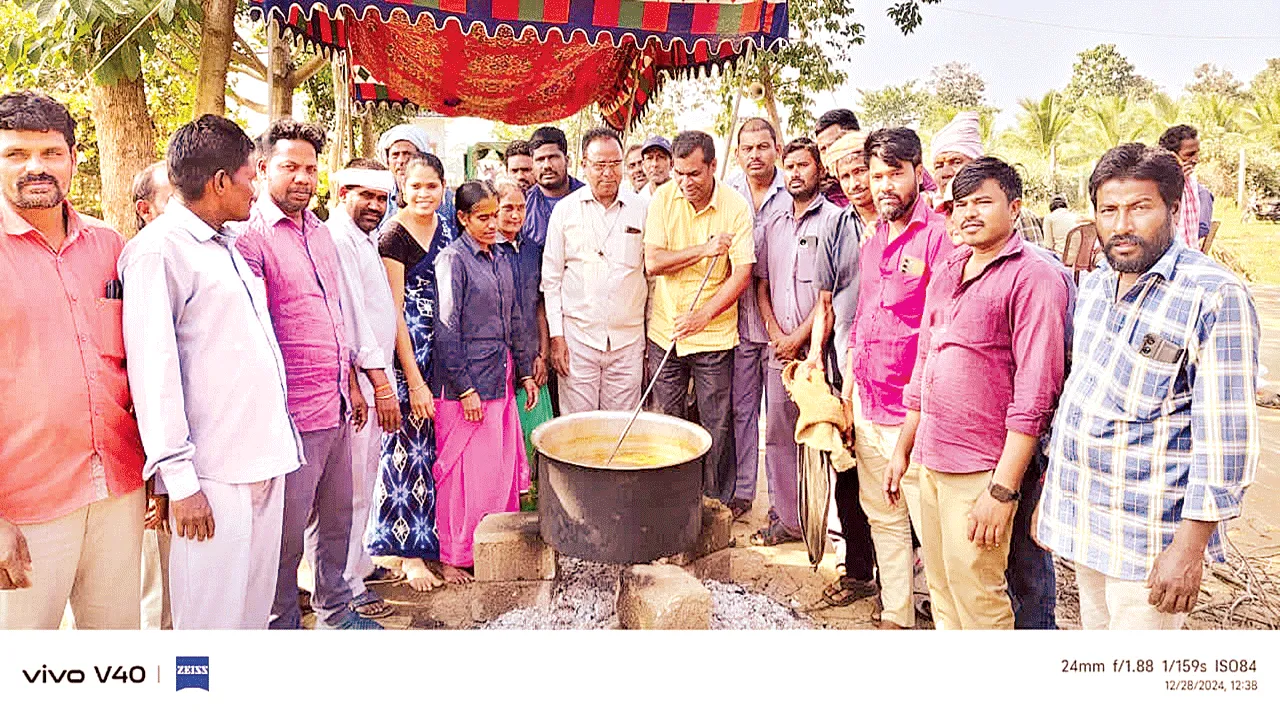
pixel 456 575
pixel 418 576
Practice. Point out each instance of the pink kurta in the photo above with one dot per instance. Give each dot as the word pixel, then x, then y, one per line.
pixel 480 469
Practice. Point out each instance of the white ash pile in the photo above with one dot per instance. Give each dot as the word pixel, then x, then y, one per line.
pixel 585 593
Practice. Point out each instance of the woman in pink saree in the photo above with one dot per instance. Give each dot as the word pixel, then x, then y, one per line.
pixel 482 345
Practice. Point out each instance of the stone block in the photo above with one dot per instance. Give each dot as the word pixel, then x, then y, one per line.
pixel 715 535
pixel 716 566
pixel 509 547
pixel 662 597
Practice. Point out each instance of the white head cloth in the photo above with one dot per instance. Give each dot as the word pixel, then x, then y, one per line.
pixel 962 135
pixel 365 177
pixel 412 133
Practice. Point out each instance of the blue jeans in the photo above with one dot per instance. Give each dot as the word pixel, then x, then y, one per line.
pixel 1032 583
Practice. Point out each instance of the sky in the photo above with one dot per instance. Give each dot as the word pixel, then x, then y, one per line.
pixel 1165 39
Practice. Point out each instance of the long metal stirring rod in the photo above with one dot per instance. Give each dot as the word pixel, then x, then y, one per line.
pixel 658 372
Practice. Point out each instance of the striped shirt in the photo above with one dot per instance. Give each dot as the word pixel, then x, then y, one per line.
pixel 1140 443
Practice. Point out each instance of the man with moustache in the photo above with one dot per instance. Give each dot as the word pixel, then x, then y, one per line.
pixel 519 161
pixel 71 489
pixel 789 243
pixel 655 155
pixel 1156 437
pixel 369 315
pixel 594 284
pixel 635 168
pixel 762 185
pixel 986 378
pixel 151 192
pixel 896 264
pixel 286 245
pixel 831 126
pixel 550 151
pixel 209 383
pixel 1184 142
pixel 697 226
pixel 836 279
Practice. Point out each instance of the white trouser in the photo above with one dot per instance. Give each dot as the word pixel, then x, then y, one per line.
pixel 601 380
pixel 1108 603
pixel 229 581
pixel 156 614
pixel 366 449
pixel 89 558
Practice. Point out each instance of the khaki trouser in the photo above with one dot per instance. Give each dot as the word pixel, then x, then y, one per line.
pixel 90 558
pixel 890 524
pixel 967 583
pixel 1108 603
pixel 156 612
pixel 601 380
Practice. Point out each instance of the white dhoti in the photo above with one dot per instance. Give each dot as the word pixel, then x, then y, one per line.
pixel 366 449
pixel 229 581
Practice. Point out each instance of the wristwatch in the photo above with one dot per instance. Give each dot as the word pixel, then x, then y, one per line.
pixel 1002 493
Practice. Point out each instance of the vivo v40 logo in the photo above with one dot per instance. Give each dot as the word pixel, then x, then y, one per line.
pixel 74 676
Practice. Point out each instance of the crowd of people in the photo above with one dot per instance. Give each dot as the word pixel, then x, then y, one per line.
pixel 241 385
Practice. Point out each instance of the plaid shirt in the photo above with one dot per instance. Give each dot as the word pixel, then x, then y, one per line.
pixel 1139 444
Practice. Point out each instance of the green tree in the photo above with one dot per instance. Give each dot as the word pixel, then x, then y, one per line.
pixel 1102 71
pixel 896 105
pixel 1111 121
pixel 1267 81
pixel 1165 111
pixel 958 85
pixel 1208 79
pixel 1042 127
pixel 104 43
pixel 822 33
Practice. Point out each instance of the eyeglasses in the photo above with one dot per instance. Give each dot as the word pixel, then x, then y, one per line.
pixel 607 165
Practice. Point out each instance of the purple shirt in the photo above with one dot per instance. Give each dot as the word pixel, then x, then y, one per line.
pixel 894 275
pixel 302 275
pixel 991 358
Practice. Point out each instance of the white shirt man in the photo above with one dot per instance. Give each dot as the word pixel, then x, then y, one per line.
pixel 595 288
pixel 369 312
pixel 208 385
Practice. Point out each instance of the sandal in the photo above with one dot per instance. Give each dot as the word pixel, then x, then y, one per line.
pixel 774 534
pixel 384 576
pixel 846 591
pixel 371 607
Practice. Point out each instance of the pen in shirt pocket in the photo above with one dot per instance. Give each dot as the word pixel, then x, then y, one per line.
pixel 114 290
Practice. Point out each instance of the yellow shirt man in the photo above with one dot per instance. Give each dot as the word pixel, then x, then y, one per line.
pixel 673 225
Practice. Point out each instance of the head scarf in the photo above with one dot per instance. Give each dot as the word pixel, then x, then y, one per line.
pixel 364 177
pixel 412 133
pixel 962 135
pixel 847 144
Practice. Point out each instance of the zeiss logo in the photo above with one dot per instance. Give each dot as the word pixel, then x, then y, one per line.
pixel 193 672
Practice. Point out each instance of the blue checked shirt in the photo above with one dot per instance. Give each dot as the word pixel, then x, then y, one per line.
pixel 1139 444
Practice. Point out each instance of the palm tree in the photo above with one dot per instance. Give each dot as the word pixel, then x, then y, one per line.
pixel 1042 125
pixel 1164 111
pixel 1262 119
pixel 1113 121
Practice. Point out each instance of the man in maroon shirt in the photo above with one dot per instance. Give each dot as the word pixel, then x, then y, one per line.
pixel 987 376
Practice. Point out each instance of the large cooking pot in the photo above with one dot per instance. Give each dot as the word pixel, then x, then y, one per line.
pixel 646 505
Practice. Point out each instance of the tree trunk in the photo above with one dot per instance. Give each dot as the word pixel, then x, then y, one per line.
pixel 1053 164
pixel 341 120
pixel 217 33
pixel 279 81
pixel 126 145
pixel 368 142
pixel 770 100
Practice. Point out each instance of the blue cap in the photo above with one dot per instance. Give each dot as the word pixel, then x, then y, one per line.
pixel 657 141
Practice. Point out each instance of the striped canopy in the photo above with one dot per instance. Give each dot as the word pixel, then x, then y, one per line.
pixel 527 61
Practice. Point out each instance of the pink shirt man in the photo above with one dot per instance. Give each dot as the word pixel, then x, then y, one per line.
pixel 68 438
pixel 991 357
pixel 302 275
pixel 894 275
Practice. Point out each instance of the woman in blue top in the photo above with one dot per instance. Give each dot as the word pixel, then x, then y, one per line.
pixel 403 522
pixel 482 346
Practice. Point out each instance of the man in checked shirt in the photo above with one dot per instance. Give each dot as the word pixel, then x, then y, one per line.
pixel 1156 435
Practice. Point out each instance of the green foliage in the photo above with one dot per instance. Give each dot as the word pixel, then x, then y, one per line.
pixel 958 85
pixel 891 106
pixel 1267 81
pixel 1102 71
pixel 822 33
pixel 1210 80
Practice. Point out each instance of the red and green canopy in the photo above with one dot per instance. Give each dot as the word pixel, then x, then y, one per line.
pixel 528 61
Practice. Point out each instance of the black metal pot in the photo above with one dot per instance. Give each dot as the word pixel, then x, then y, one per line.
pixel 646 506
